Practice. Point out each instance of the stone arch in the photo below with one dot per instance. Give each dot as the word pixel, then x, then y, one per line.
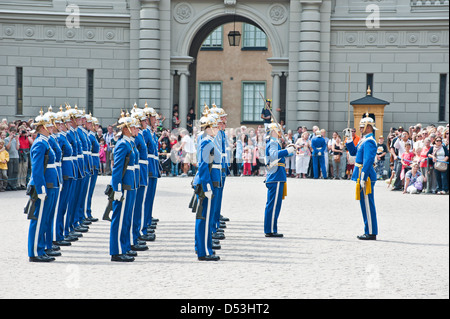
pixel 207 20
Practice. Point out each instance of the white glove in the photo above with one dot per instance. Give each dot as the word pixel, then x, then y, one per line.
pixel 117 196
pixel 291 150
pixel 362 184
pixel 42 196
pixel 319 154
pixel 348 133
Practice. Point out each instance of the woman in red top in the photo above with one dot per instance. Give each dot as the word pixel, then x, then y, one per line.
pixel 25 142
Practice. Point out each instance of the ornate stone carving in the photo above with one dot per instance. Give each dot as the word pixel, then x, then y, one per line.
pixel 278 14
pixel 29 32
pixel 351 38
pixel 9 31
pixel 90 34
pixel 70 33
pixel 50 33
pixel 389 38
pixel 110 35
pixel 183 12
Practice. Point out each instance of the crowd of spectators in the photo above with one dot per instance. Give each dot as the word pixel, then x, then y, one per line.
pixel 412 161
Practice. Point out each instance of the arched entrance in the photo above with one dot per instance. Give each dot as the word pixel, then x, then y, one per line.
pixel 187 40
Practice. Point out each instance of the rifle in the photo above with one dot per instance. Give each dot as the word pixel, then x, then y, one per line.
pixel 201 197
pixel 194 201
pixel 274 119
pixel 110 192
pixel 30 206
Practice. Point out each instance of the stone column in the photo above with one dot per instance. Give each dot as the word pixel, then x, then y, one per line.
pixel 149 54
pixel 135 12
pixel 276 95
pixel 309 64
pixel 183 100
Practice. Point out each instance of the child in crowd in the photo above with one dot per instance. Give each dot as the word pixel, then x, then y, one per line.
pixel 247 160
pixel 350 165
pixel 391 180
pixel 102 155
pixel 407 158
pixel 4 159
pixel 164 158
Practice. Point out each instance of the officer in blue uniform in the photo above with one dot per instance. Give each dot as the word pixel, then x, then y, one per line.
pixel 94 149
pixel 220 165
pixel 138 239
pixel 45 182
pixel 71 227
pixel 364 175
pixel 150 138
pixel 205 190
pixel 123 182
pixel 68 174
pixel 88 171
pixel 52 249
pixel 319 146
pixel 275 180
pixel 77 202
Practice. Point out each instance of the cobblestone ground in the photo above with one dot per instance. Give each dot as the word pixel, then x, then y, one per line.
pixel 319 257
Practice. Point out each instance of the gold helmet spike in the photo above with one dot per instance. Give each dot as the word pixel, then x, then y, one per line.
pixel 206 110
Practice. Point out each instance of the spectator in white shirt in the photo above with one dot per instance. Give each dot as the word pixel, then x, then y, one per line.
pixel 187 146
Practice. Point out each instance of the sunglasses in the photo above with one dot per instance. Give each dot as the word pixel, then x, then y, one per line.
pixel 438 141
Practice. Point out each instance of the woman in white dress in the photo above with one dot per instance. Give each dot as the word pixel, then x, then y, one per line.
pixel 303 155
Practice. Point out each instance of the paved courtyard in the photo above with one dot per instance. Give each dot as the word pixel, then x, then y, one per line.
pixel 319 257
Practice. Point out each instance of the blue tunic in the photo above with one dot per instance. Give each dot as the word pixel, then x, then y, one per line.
pixel 274 156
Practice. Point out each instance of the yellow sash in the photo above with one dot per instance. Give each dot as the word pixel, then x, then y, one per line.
pixel 358 184
pixel 285 190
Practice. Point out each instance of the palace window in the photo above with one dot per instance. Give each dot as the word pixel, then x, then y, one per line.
pixel 214 41
pixel 90 92
pixel 442 97
pixel 253 38
pixel 252 103
pixel 19 90
pixel 209 93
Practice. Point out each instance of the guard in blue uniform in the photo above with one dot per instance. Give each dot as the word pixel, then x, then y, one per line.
pixel 83 134
pixel 319 146
pixel 365 176
pixel 43 189
pixel 123 182
pixel 138 239
pixel 205 191
pixel 220 165
pixel 68 175
pixel 52 249
pixel 93 149
pixel 77 201
pixel 150 138
pixel 275 180
pixel 71 227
